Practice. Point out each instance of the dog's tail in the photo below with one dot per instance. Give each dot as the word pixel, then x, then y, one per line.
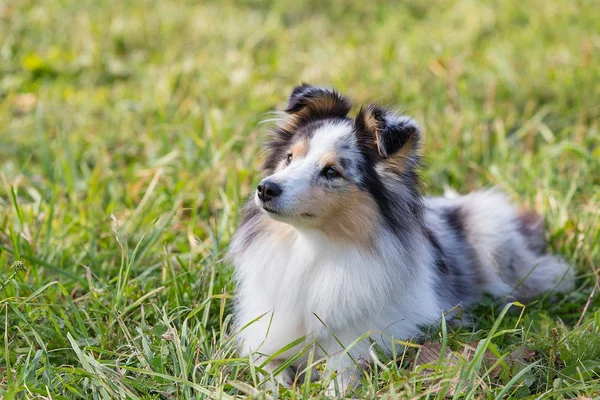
pixel 511 247
pixel 547 273
pixel 544 272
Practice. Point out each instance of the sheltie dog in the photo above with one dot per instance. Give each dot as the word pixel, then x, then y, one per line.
pixel 337 243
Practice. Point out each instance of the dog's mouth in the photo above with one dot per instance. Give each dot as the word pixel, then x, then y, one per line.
pixel 280 214
pixel 271 211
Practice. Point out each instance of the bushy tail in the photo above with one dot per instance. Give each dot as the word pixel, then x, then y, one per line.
pixel 548 273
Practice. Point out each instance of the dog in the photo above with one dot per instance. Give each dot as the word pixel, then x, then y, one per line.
pixel 339 247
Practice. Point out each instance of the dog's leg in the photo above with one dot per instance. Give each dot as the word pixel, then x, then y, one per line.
pixel 345 375
pixel 285 378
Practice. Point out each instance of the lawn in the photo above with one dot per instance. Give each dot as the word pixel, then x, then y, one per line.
pixel 130 135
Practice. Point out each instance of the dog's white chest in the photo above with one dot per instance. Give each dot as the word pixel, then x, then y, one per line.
pixel 302 278
pixel 310 287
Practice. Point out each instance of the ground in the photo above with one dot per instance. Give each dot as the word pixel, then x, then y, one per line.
pixel 130 136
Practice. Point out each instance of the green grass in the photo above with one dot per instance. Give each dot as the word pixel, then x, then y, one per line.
pixel 129 136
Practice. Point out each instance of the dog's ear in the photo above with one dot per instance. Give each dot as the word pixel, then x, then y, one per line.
pixel 392 138
pixel 310 102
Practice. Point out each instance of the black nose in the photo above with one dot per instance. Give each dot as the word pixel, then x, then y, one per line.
pixel 267 190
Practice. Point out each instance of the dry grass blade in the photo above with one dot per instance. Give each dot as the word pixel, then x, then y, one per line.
pixel 592 293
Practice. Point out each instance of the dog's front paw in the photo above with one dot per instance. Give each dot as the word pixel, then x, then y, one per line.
pixel 343 383
pixel 285 378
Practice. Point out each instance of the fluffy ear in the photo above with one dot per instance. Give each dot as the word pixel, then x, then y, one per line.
pixel 394 138
pixel 310 102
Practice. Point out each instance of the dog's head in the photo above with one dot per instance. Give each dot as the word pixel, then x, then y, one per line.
pixel 326 170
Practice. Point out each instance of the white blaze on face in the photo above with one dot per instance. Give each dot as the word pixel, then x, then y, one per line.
pixel 325 138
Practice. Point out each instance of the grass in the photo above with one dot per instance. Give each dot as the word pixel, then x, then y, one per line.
pixel 130 135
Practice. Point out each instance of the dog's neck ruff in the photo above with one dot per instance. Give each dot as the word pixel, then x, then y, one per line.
pixel 302 273
pixel 263 245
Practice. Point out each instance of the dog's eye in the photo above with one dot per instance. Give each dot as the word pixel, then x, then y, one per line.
pixel 288 159
pixel 330 173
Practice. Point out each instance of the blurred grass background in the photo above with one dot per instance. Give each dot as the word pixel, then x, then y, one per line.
pixel 130 134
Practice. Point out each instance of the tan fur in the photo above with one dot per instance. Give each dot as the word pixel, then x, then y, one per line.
pixel 349 217
pixel 290 122
pixel 400 161
pixel 323 105
pixel 331 159
pixel 371 122
pixel 372 125
pixel 282 230
pixel 300 148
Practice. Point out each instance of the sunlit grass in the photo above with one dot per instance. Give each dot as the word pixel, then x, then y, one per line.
pixel 130 136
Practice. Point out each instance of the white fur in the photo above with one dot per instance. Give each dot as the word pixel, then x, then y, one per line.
pixel 351 292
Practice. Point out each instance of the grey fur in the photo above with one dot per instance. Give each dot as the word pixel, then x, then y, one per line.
pixel 487 250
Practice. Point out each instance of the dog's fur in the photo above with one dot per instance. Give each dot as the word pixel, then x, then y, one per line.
pixel 340 254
